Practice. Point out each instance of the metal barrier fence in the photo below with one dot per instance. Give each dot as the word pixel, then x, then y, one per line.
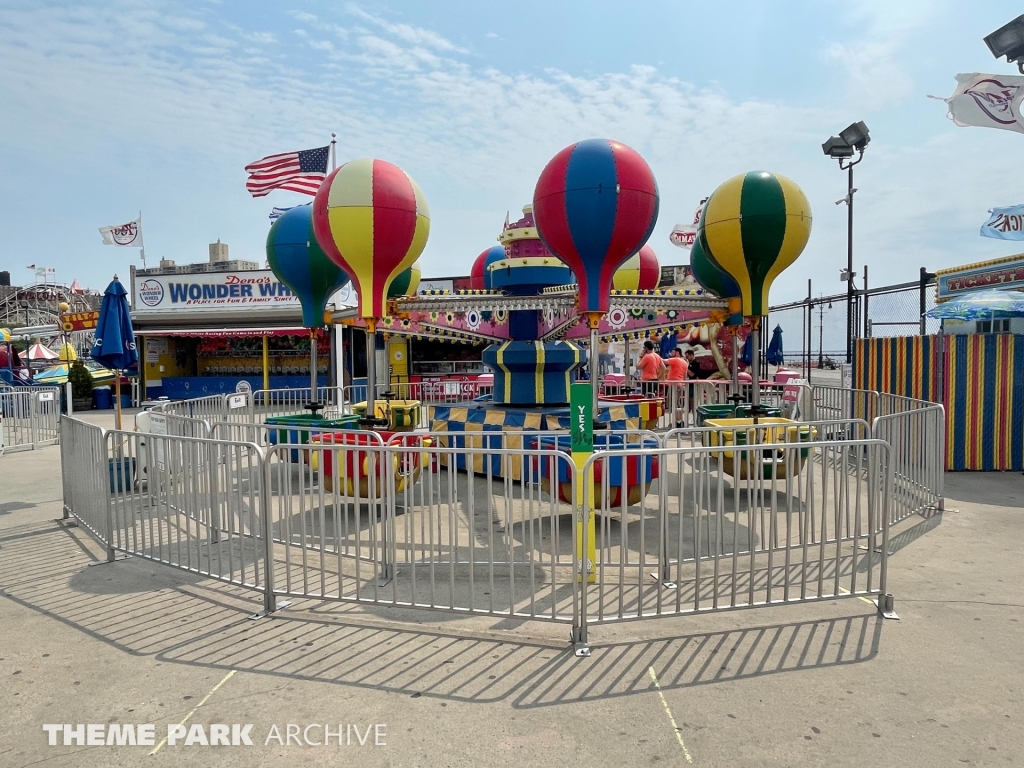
pixel 710 520
pixel 84 468
pixel 289 402
pixel 29 417
pixel 188 502
pixel 682 399
pixel 718 534
pixel 916 432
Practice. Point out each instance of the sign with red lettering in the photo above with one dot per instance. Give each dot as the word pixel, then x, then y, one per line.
pixel 1008 273
pixel 216 290
pixel 79 321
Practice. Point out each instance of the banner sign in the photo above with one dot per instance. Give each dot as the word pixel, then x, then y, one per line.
pixel 79 321
pixel 125 235
pixel 219 290
pixel 1001 273
pixel 987 101
pixel 685 235
pixel 581 407
pixel 1005 223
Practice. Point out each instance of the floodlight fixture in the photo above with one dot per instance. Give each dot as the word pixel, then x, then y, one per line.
pixel 836 148
pixel 1008 41
pixel 856 135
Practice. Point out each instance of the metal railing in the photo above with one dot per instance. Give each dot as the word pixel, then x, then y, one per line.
pixel 916 432
pixel 29 418
pixel 187 502
pixel 738 529
pixel 709 520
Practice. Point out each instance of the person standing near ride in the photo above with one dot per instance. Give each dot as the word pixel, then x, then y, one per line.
pixel 650 368
pixel 678 370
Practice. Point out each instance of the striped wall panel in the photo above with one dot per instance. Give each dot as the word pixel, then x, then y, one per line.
pixel 984 401
pixel 904 365
pixel 982 384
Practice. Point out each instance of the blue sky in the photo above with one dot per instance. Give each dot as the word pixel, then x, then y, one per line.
pixel 116 107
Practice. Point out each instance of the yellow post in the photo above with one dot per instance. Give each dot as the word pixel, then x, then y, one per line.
pixel 266 363
pixel 581 430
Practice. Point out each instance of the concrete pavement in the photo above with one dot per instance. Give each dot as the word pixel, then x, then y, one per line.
pixel 827 683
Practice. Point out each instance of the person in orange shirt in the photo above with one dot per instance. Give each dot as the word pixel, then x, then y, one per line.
pixel 677 366
pixel 678 369
pixel 650 368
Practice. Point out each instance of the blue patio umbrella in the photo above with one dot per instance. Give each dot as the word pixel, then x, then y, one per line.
pixel 746 352
pixel 980 305
pixel 774 356
pixel 114 346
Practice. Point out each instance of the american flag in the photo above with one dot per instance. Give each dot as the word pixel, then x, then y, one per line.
pixel 298 171
pixel 277 213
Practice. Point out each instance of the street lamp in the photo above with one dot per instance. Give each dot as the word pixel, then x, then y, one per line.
pixel 1008 41
pixel 853 138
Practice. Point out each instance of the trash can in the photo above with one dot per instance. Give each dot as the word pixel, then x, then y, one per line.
pixel 126 400
pixel 122 474
pixel 102 398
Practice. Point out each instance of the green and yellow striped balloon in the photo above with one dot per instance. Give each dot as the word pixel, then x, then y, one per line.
pixel 753 227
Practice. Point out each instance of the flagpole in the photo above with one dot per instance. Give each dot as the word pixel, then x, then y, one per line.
pixel 334 154
pixel 142 250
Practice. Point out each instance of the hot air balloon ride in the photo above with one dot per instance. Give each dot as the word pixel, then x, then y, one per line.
pixel 372 220
pixel 596 204
pixel 407 283
pixel 640 272
pixel 300 263
pixel 718 283
pixel 752 228
pixel 479 279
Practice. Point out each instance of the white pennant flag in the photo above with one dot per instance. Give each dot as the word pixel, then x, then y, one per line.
pixel 125 235
pixel 684 235
pixel 987 101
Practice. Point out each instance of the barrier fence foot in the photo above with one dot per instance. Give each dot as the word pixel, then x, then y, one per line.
pixel 887 607
pixel 387 573
pixel 114 559
pixel 270 605
pixel 665 580
pixel 580 647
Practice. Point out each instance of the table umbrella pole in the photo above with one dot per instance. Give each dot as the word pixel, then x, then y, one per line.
pixel 117 399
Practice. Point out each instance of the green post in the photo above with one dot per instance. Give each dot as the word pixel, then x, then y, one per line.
pixel 581 430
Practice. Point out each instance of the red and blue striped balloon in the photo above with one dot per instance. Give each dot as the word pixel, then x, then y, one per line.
pixel 595 205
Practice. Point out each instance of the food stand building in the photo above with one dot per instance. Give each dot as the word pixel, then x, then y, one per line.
pixel 206 328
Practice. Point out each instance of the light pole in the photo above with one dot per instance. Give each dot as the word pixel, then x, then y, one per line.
pixel 841 148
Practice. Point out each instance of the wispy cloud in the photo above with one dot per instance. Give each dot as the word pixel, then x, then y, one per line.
pixel 177 101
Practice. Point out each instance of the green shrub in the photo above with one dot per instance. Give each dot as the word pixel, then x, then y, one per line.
pixel 81 380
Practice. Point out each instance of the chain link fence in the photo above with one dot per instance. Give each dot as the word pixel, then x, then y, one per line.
pixel 815 329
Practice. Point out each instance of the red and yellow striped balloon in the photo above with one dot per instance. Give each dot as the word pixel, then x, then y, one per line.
pixel 372 220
